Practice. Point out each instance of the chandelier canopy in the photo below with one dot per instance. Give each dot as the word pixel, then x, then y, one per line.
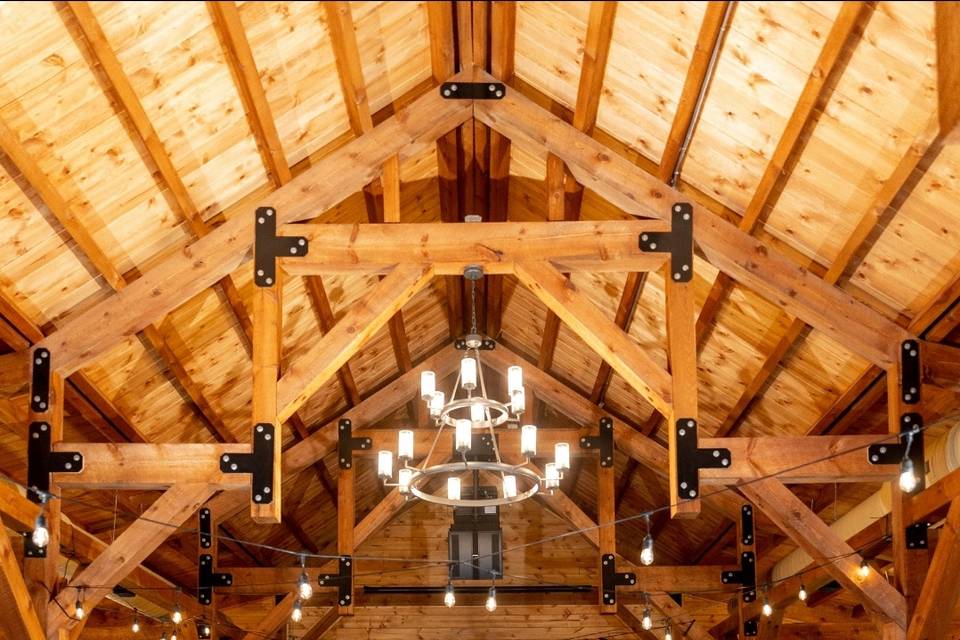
pixel 472 419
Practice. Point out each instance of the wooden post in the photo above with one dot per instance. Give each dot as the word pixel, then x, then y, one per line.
pixel 606 516
pixel 267 333
pixel 745 545
pixel 941 589
pixel 346 521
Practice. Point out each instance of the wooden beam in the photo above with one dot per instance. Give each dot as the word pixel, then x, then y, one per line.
pixel 601 334
pixel 346 521
pixel 326 320
pixel 15 372
pixel 947 25
pixel 632 290
pixel 941 365
pixel 606 521
pixel 630 620
pixel 811 534
pixel 746 545
pixel 322 625
pixel 753 263
pixel 267 340
pixel 276 617
pixel 367 315
pixel 21 620
pixel 941 590
pixel 129 549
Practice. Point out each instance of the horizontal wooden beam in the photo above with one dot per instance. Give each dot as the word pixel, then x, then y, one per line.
pixel 941 365
pixel 610 245
pixel 147 467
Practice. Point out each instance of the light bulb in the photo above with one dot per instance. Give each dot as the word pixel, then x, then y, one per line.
pixel 173 636
pixel 41 535
pixel 135 627
pixel 436 403
pixel 528 440
pixel 767 609
pixel 667 635
pixel 304 588
pixel 449 599
pixel 518 401
pixel 477 413
pixel 453 488
pixel 646 551
pixel 561 456
pixel 552 480
pixel 803 594
pixel 509 486
pixel 404 476
pixel 514 379
pixel 491 600
pixel 908 479
pixel 864 569
pixel 468 373
pixel 78 610
pixel 385 465
pixel 428 384
pixel 164 636
pixel 464 435
pixel 176 616
pixel 296 615
pixel 647 621
pixel 405 444
pixel 206 631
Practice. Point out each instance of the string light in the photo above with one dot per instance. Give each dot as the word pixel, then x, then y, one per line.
pixel 164 636
pixel 304 587
pixel 491 604
pixel 135 627
pixel 449 599
pixel 647 621
pixel 908 476
pixel 864 569
pixel 177 615
pixel 173 635
pixel 78 609
pixel 767 607
pixel 41 535
pixel 667 635
pixel 296 615
pixel 803 593
pixel 646 548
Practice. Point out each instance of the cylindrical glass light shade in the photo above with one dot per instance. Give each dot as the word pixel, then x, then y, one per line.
pixel 477 413
pixel 403 480
pixel 552 476
pixel 428 384
pixel 405 445
pixel 468 373
pixel 514 379
pixel 437 401
pixel 528 440
pixel 385 465
pixel 509 486
pixel 561 456
pixel 464 435
pixel 518 401
pixel 453 488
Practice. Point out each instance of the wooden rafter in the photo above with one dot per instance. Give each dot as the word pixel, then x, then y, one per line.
pixel 941 590
pixel 947 21
pixel 22 621
pixel 275 618
pixel 682 357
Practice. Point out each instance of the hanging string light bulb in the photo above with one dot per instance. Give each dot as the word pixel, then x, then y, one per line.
pixel 491 604
pixel 78 612
pixel 304 588
pixel 908 475
pixel 41 535
pixel 296 614
pixel 668 635
pixel 646 548
pixel 177 615
pixel 449 599
pixel 135 627
pixel 767 607
pixel 646 622
pixel 802 595
pixel 864 569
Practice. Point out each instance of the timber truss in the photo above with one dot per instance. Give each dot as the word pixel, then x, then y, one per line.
pixel 541 255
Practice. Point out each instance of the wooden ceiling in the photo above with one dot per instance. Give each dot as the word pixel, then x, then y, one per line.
pixel 130 129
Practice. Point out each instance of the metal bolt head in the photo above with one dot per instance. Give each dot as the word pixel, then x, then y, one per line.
pixel 269 280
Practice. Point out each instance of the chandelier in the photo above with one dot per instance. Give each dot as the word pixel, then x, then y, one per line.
pixel 472 418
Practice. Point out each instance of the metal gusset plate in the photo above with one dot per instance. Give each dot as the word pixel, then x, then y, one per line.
pixel 347 444
pixel 343 581
pixel 259 463
pixel 678 242
pixel 268 246
pixel 746 525
pixel 206 528
pixel 473 90
pixel 751 627
pixel 613 579
pixel 916 536
pixel 208 579
pixel 40 381
pixel 910 372
pixel 690 458
pixel 746 576
pixel 892 453
pixel 603 442
pixel 41 461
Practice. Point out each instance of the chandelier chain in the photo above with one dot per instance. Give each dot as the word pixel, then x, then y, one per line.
pixel 473 307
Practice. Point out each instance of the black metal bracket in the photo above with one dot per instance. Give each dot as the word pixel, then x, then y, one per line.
pixel 746 576
pixel 678 242
pixel 259 463
pixel 916 537
pixel 206 528
pixel 603 442
pixel 41 461
pixel 746 525
pixel 751 627
pixel 481 447
pixel 207 579
pixel 203 630
pixel 40 381
pixel 343 581
pixel 268 246
pixel 690 459
pixel 473 90
pixel 460 344
pixel 910 423
pixel 611 579
pixel 347 444
pixel 910 372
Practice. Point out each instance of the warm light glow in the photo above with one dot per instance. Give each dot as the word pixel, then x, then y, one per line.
pixel 428 384
pixel 667 635
pixel 864 569
pixel 477 413
pixel 173 635
pixel 449 599
pixel 528 440
pixel 491 600
pixel 464 435
pixel 453 488
pixel 552 479
pixel 41 535
pixel 561 456
pixel 135 627
pixel 437 401
pixel 176 616
pixel 803 594
pixel 304 587
pixel 404 476
pixel 509 486
pixel 767 609
pixel 405 445
pixel 646 551
pixel 908 479
pixel 296 614
pixel 514 379
pixel 78 611
pixel 468 373
pixel 385 465
pixel 647 621
pixel 206 631
pixel 518 401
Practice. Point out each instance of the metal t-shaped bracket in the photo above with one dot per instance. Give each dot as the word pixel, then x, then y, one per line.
pixel 347 444
pixel 612 579
pixel 268 246
pixel 473 90
pixel 41 462
pixel 690 459
pixel 343 581
pixel 602 442
pixel 745 576
pixel 678 242
pixel 207 579
pixel 259 463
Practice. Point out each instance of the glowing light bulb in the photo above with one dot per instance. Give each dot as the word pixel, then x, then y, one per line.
pixel 449 599
pixel 464 435
pixel 509 486
pixel 173 636
pixel 767 609
pixel 428 384
pixel 206 631
pixel 864 569
pixel 528 440
pixel 385 465
pixel 436 403
pixel 41 535
pixel 908 479
pixel 453 488
pixel 78 610
pixel 491 604
pixel 468 373
pixel 176 616
pixel 646 551
pixel 667 635
pixel 477 414
pixel 404 476
pixel 561 456
pixel 647 621
pixel 296 615
pixel 803 594
pixel 304 588
pixel 514 379
pixel 405 444
pixel 135 627
pixel 552 480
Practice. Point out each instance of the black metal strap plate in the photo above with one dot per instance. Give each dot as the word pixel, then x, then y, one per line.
pixel 678 242
pixel 910 372
pixel 347 444
pixel 31 550
pixel 40 381
pixel 746 576
pixel 203 630
pixel 690 459
pixel 259 463
pixel 612 579
pixel 481 447
pixel 916 536
pixel 602 442
pixel 746 525
pixel 751 627
pixel 473 90
pixel 268 246
pixel 893 453
pixel 41 462
pixel 485 345
pixel 206 528
pixel 207 579
pixel 343 581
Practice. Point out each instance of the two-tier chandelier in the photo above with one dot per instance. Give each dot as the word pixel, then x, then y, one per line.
pixel 472 418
